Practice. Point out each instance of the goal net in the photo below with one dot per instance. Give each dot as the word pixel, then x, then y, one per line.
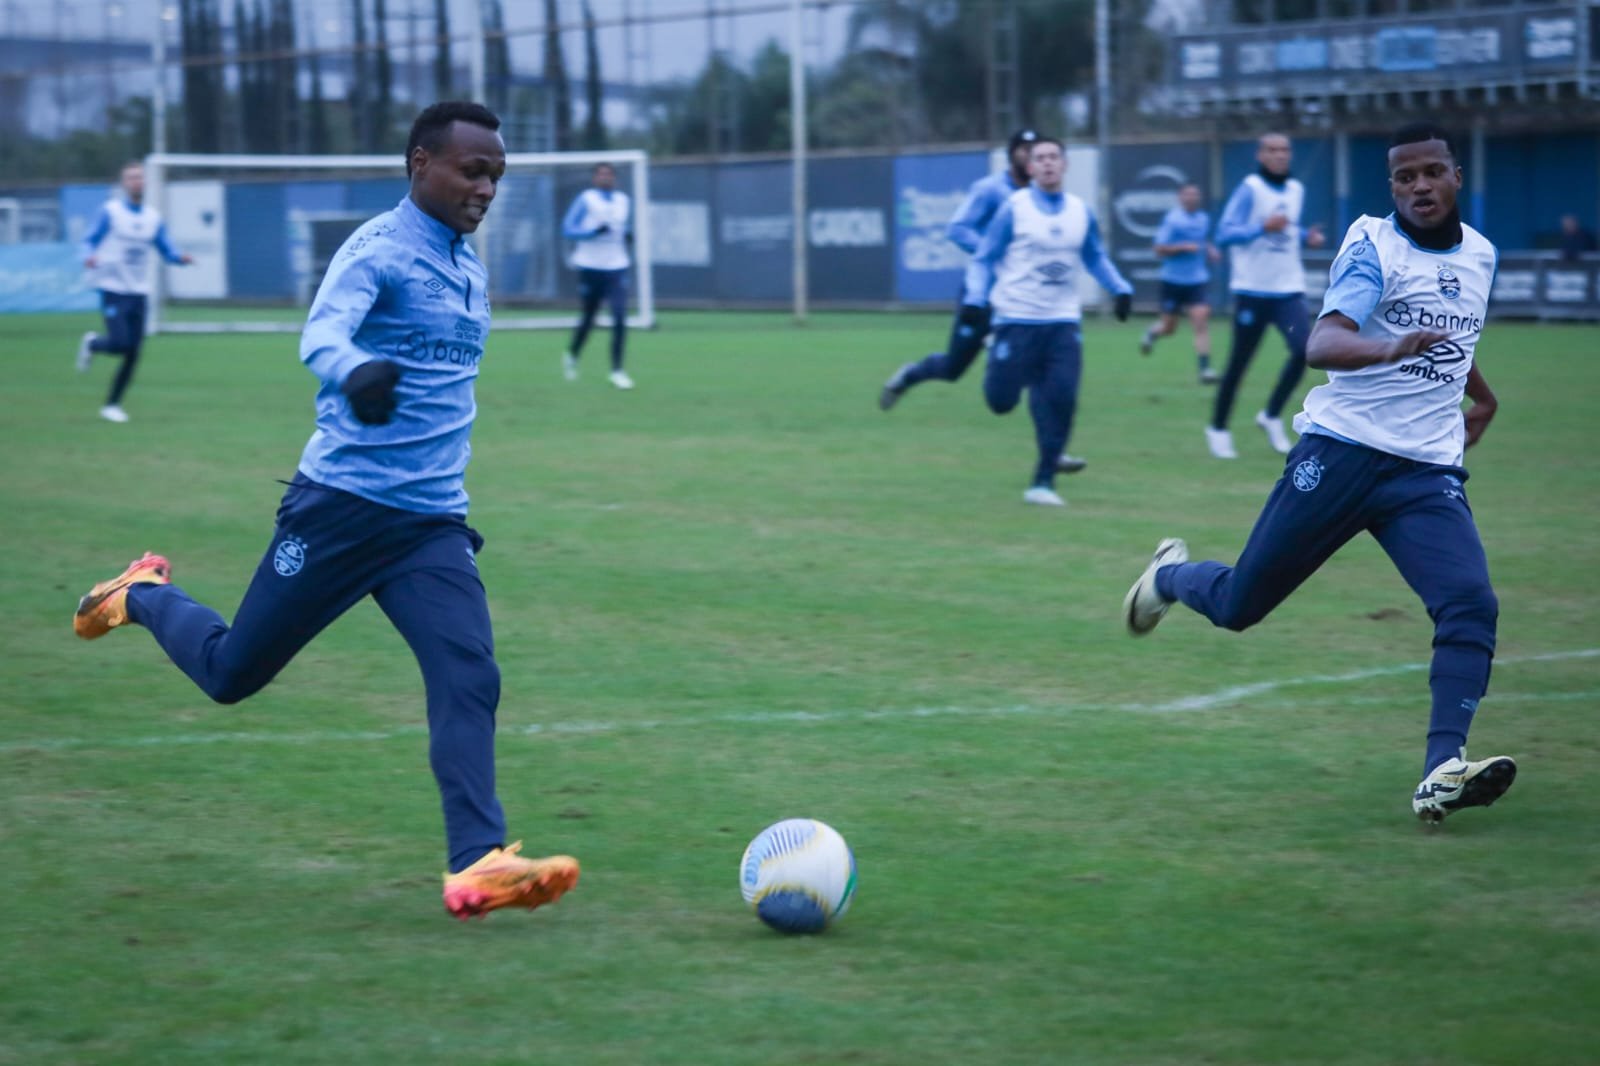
pixel 263 228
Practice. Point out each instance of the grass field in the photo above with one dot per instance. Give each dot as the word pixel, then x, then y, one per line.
pixel 741 593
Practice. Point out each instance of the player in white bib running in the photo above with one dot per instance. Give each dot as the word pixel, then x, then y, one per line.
pixel 1026 271
pixel 117 252
pixel 599 221
pixel 1260 226
pixel 1380 451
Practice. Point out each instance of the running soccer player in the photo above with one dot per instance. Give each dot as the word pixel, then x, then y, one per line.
pixel 1261 227
pixel 599 221
pixel 965 231
pixel 1026 270
pixel 1380 450
pixel 1184 245
pixel 377 506
pixel 116 251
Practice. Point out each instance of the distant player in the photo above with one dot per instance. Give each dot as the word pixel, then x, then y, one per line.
pixel 1026 271
pixel 1261 226
pixel 1380 451
pixel 599 221
pixel 377 507
pixel 117 252
pixel 1183 242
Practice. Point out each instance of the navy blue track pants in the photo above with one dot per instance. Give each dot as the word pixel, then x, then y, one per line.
pixel 594 288
pixel 330 550
pixel 967 333
pixel 124 314
pixel 1251 317
pixel 1046 359
pixel 1330 492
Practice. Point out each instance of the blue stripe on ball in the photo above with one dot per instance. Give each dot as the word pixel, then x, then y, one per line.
pixel 792 911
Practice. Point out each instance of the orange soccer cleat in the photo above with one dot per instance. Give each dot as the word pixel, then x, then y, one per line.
pixel 503 878
pixel 106 605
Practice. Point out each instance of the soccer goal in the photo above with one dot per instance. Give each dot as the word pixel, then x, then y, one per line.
pixel 263 228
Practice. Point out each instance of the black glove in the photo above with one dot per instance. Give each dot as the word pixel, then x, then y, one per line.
pixel 975 316
pixel 370 390
pixel 1124 307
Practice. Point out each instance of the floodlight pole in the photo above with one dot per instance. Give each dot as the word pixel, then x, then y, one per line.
pixel 1102 116
pixel 797 137
pixel 158 92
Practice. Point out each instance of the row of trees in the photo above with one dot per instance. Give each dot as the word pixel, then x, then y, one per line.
pixel 913 72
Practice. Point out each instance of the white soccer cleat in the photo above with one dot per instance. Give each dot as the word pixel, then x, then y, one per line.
pixel 1220 441
pixel 1143 607
pixel 1070 464
pixel 112 412
pixel 569 366
pixel 1456 784
pixel 1044 497
pixel 85 353
pixel 1147 343
pixel 621 380
pixel 1273 427
pixel 894 388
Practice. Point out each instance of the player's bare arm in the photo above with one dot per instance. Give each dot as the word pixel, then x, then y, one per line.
pixel 1336 344
pixel 1484 406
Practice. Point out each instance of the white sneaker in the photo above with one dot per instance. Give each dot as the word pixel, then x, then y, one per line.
pixel 1273 427
pixel 1045 497
pixel 1147 343
pixel 621 380
pixel 85 353
pixel 1070 464
pixel 1220 441
pixel 1456 784
pixel 569 366
pixel 1143 607
pixel 112 412
pixel 893 389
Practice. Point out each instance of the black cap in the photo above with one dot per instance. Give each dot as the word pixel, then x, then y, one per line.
pixel 1021 137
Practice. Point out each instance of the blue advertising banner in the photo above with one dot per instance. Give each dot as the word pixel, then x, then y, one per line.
pixel 928 190
pixel 753 256
pixel 848 229
pixel 44 277
pixel 1145 179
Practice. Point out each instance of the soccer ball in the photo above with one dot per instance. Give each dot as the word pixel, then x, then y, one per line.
pixel 799 875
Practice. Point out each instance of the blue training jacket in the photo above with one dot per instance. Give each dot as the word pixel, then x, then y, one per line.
pixel 407 288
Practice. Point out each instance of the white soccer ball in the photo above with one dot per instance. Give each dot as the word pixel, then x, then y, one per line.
pixel 799 875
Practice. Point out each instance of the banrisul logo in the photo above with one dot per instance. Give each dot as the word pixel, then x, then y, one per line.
pixel 289 557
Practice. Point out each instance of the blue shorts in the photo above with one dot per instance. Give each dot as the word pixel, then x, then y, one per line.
pixel 1175 297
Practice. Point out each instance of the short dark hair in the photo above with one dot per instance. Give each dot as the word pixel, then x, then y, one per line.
pixel 429 130
pixel 1418 132
pixel 1042 139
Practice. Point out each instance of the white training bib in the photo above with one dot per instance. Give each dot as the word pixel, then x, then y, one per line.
pixel 1269 263
pixel 609 251
pixel 1411 408
pixel 1037 278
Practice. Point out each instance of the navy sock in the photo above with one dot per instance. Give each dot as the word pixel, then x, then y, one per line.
pixel 1457 681
pixel 1204 359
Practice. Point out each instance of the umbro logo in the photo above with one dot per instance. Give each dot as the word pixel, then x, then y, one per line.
pixel 435 288
pixel 1055 273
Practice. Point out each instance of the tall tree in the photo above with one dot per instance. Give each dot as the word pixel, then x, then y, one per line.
pixel 443 76
pixel 360 109
pixel 383 93
pixel 555 80
pixel 594 122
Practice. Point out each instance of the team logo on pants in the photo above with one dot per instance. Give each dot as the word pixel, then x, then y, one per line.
pixel 289 557
pixel 1308 475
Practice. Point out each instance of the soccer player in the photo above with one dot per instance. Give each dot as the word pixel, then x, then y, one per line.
pixel 1380 451
pixel 116 251
pixel 1261 225
pixel 1184 245
pixel 1026 271
pixel 377 506
pixel 966 230
pixel 598 221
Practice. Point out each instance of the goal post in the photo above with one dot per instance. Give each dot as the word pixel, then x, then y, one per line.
pixel 262 229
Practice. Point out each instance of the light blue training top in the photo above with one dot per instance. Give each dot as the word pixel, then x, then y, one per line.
pixel 997 238
pixel 977 211
pixel 1183 227
pixel 407 288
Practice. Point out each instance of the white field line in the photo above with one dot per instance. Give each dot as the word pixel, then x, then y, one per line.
pixel 1206 701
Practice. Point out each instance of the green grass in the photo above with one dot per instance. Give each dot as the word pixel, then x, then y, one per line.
pixel 741 593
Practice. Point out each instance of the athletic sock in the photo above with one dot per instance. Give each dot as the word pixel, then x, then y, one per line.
pixel 1455 701
pixel 1204 360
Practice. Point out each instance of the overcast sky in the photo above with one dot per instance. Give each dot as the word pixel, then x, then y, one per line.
pixel 673 44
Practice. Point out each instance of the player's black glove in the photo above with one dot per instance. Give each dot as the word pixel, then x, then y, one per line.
pixel 1124 307
pixel 370 390
pixel 976 317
